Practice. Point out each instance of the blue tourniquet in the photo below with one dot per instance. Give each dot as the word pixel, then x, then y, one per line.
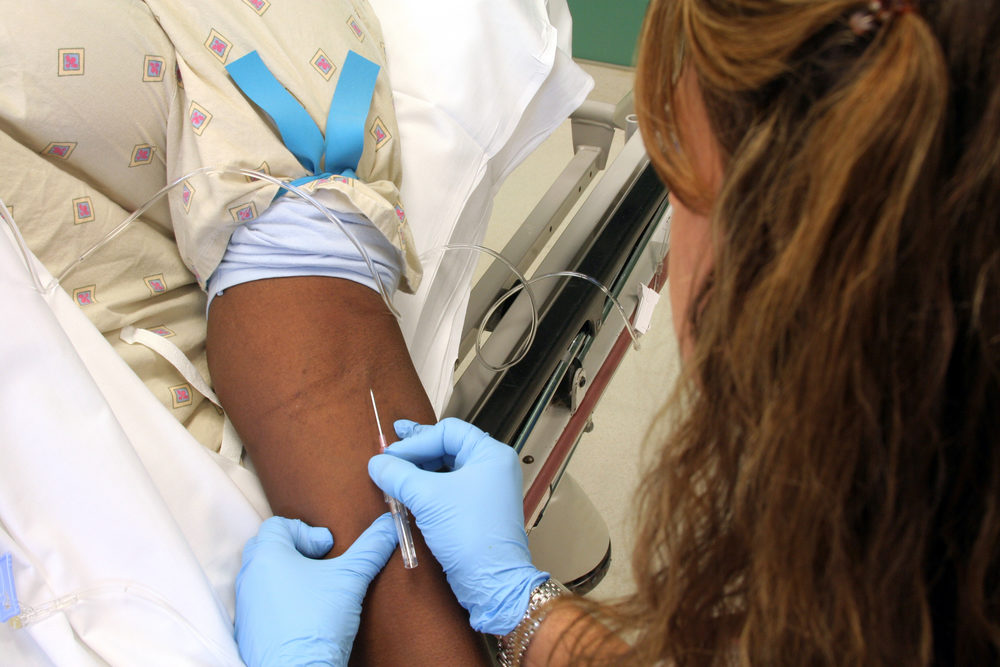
pixel 339 152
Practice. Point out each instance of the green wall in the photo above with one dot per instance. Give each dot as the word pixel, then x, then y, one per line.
pixel 607 30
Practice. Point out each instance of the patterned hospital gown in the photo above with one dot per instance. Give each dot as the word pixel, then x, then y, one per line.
pixel 103 102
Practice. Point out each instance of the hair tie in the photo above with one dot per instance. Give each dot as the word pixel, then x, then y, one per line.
pixel 876 14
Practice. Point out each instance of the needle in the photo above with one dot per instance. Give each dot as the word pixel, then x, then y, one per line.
pixel 399 514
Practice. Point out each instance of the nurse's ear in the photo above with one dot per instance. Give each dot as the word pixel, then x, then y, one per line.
pixel 691 231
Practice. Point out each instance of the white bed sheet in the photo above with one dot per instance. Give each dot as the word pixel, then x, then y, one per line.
pixel 99 485
pixel 478 85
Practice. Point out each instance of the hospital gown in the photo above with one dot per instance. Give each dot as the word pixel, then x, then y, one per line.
pixel 103 102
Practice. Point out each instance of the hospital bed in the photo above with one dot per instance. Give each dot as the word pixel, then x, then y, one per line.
pixel 542 404
pixel 124 547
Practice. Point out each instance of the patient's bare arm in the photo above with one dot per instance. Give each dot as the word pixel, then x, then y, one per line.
pixel 292 360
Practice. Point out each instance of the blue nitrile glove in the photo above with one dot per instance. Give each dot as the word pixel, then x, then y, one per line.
pixel 294 610
pixel 472 517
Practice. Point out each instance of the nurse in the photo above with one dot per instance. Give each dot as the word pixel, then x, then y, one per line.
pixel 830 489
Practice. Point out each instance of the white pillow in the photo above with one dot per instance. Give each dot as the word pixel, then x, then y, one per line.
pixel 478 84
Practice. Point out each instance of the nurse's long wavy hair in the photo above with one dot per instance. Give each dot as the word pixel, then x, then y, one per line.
pixel 830 492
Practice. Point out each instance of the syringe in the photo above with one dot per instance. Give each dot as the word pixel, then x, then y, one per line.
pixel 398 510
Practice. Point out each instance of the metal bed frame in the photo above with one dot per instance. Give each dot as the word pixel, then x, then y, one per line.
pixel 542 405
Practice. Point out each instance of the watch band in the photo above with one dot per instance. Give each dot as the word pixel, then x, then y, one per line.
pixel 514 644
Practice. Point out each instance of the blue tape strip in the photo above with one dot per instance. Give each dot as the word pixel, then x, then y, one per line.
pixel 9 606
pixel 297 128
pixel 345 123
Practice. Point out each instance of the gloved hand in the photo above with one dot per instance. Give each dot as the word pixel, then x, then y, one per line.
pixel 472 517
pixel 293 610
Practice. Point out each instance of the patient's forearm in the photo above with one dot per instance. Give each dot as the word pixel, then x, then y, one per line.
pixel 292 360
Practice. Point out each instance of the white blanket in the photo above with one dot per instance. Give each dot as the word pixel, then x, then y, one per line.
pixel 102 490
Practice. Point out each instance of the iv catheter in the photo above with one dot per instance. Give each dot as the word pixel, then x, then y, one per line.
pixel 398 510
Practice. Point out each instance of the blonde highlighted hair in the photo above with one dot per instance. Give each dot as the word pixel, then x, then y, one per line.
pixel 831 491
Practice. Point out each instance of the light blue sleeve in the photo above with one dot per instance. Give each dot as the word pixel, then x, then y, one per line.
pixel 292 238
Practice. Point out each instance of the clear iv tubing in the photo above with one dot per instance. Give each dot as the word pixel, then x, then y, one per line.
pixel 245 172
pixel 523 284
pixel 527 342
pixel 65 603
pixel 558 274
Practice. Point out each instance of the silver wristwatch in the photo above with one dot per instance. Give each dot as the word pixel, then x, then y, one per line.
pixel 514 644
